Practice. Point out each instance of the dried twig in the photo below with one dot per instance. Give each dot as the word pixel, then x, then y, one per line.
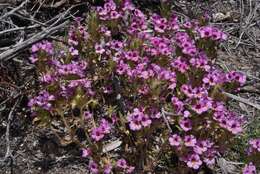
pixel 8 154
pixel 14 10
pixel 248 21
pixel 11 53
pixel 227 167
pixel 55 5
pixel 111 146
pixel 243 100
pixel 18 28
pixel 166 120
pixel 60 22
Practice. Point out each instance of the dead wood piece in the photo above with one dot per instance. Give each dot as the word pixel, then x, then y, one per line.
pixel 49 31
pixel 18 28
pixel 243 100
pixel 8 154
pixel 163 112
pixel 111 146
pixel 14 10
pixel 55 5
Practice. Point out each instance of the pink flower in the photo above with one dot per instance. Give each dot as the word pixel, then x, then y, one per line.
pixel 249 169
pixel 178 105
pixel 194 161
pixel 213 78
pixel 73 51
pixel 224 36
pixel 108 169
pixel 73 68
pixel 35 48
pixel 99 49
pixel 105 31
pixel 212 33
pixel 93 167
pixel 114 15
pixel 87 115
pixel 186 89
pixel 209 161
pixel 144 90
pixel 97 134
pixel 128 5
pixel 203 105
pixel 236 76
pixel 200 147
pixel 132 55
pixel 160 24
pixel 47 78
pixel 43 100
pixel 205 32
pixel 218 106
pixel 105 126
pixel 45 46
pixel 144 74
pixel 121 163
pixel 86 152
pixel 33 58
pixel 180 65
pixel 135 125
pixel 146 121
pixel 175 140
pixel 234 127
pixel 186 114
pixel 185 124
pixel 255 144
pixel 157 115
pixel 130 169
pixel 190 141
pixel 138 119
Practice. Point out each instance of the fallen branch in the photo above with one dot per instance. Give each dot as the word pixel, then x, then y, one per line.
pixel 14 10
pixel 242 100
pixel 18 28
pixel 39 36
pixel 111 146
pixel 166 120
pixel 55 5
pixel 61 21
pixel 8 153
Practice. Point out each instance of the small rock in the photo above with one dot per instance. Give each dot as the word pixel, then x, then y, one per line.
pixel 217 17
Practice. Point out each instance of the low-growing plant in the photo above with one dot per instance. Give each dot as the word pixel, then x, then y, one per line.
pixel 137 92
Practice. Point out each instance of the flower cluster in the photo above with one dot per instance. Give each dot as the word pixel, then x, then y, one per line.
pixel 73 68
pixel 249 169
pixel 44 47
pixel 98 133
pixel 122 165
pixel 138 119
pixel 132 81
pixel 229 121
pixel 186 43
pixel 160 46
pixel 43 100
pixel 254 146
pixel 108 12
pixel 212 33
pixel 196 151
